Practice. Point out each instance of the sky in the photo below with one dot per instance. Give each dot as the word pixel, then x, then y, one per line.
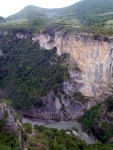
pixel 9 7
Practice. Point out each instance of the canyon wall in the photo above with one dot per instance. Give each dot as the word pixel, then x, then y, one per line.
pixel 93 55
pixel 93 74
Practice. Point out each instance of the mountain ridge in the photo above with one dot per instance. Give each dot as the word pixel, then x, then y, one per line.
pixel 84 11
pixel 26 12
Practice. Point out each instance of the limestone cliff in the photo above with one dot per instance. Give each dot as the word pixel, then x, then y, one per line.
pixel 93 55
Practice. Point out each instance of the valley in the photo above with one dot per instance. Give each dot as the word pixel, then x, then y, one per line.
pixel 56 67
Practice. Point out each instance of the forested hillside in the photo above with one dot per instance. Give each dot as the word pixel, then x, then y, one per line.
pixel 90 12
pixel 30 12
pixel 28 72
pixel 99 121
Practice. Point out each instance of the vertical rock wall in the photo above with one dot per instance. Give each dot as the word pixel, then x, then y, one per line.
pixel 93 57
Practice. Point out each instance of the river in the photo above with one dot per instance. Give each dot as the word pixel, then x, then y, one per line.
pixel 61 125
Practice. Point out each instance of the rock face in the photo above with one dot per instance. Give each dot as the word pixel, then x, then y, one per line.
pixel 93 55
pixel 57 108
pixel 11 122
pixel 94 58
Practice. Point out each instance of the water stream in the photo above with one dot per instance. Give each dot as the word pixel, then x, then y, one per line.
pixel 62 125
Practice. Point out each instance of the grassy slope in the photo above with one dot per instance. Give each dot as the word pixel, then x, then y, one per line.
pixel 90 16
pixel 81 10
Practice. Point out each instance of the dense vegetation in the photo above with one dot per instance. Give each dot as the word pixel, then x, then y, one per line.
pixel 90 12
pixel 28 72
pixel 59 140
pixel 32 24
pixel 93 16
pixel 53 139
pixel 99 121
pixel 43 138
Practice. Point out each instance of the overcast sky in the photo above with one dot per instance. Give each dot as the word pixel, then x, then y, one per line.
pixel 9 7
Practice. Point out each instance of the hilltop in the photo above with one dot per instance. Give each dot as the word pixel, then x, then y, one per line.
pixel 87 12
pixel 30 12
pixel 89 16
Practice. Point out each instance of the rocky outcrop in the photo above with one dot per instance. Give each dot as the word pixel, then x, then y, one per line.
pixel 22 35
pixel 93 55
pixel 9 114
pixel 60 106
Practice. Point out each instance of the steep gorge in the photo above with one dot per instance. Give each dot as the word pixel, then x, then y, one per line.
pixel 91 72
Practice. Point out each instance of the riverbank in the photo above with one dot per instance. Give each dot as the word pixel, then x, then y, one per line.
pixel 61 125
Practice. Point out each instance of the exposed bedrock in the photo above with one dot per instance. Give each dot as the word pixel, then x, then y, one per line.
pixel 92 55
